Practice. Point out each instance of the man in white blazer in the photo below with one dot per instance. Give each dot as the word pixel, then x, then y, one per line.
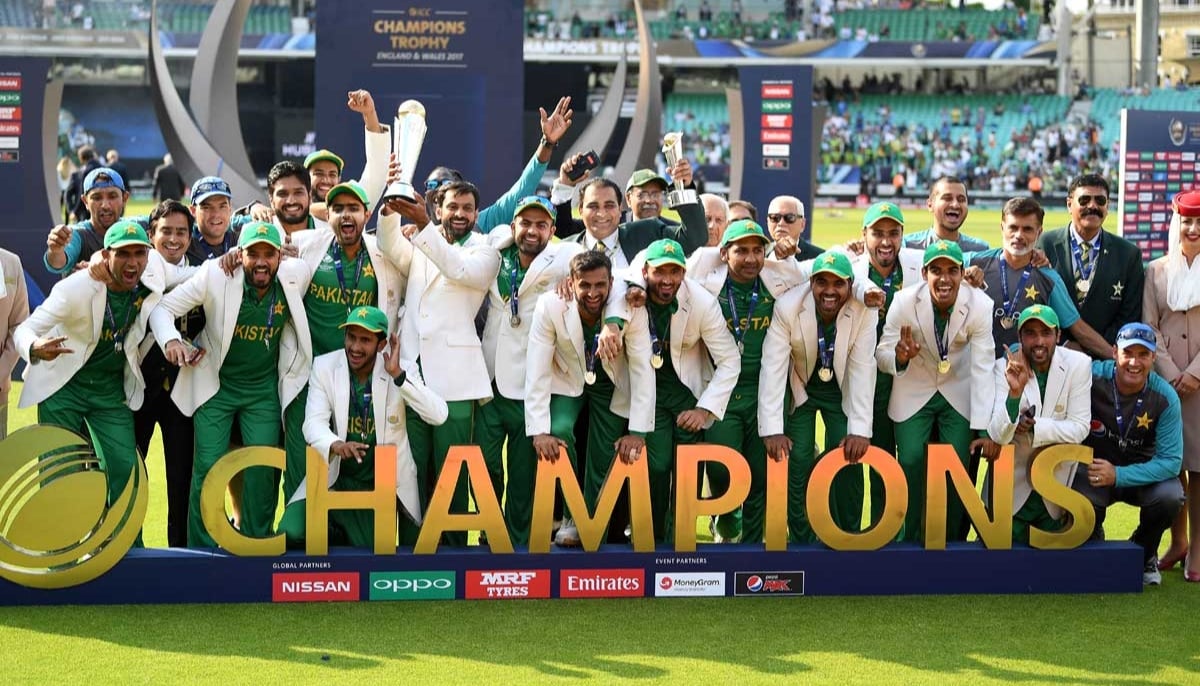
pixel 882 270
pixel 14 309
pixel 258 356
pixel 530 266
pixel 357 400
pixel 450 271
pixel 1043 398
pixel 84 338
pixel 563 373
pixel 746 285
pixel 937 343
pixel 822 341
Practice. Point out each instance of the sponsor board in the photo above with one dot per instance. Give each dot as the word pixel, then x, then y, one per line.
pixel 11 142
pixel 782 90
pixel 10 113
pixel 411 586
pixel 768 583
pixel 10 156
pixel 314 586
pixel 8 98
pixel 684 584
pixel 776 150
pixel 780 163
pixel 9 82
pixel 602 583
pixel 776 135
pixel 777 106
pixel 10 128
pixel 507 583
pixel 777 121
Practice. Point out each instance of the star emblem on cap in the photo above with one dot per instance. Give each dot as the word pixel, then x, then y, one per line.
pixel 829 259
pixel 1036 309
pixel 129 230
pixel 943 246
pixel 669 249
pixel 1031 292
pixel 362 313
pixel 1143 421
pixel 884 207
pixel 262 231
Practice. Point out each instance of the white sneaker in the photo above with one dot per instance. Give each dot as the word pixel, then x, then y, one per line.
pixel 567 535
pixel 1150 574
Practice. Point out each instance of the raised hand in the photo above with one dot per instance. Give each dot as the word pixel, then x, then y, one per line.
pixel 48 348
pixel 391 357
pixel 907 347
pixel 1016 372
pixel 556 124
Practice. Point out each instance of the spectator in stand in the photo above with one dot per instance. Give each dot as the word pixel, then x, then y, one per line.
pixel 114 163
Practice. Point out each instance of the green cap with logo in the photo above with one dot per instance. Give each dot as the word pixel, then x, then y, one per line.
pixel 642 177
pixel 325 155
pixel 370 318
pixel 125 233
pixel 665 251
pixel 260 232
pixel 943 250
pixel 1043 313
pixel 535 201
pixel 883 210
pixel 833 262
pixel 743 228
pixel 352 188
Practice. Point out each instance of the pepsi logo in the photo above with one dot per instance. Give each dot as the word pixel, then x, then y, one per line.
pixel 1097 427
pixel 754 584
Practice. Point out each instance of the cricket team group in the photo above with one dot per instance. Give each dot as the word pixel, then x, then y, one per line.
pixel 617 335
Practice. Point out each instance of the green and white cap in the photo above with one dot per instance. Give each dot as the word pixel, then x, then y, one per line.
pixel 260 232
pixel 665 251
pixel 743 228
pixel 833 262
pixel 943 250
pixel 883 210
pixel 125 233
pixel 352 188
pixel 370 318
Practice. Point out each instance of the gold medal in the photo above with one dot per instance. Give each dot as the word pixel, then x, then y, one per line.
pixel 944 367
pixel 515 320
pixel 825 374
pixel 656 361
pixel 1083 285
pixel 1006 322
pixel 589 377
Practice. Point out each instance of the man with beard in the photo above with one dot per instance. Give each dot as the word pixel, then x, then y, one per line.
pixel 785 222
pixel 746 286
pixel 81 346
pixel 105 196
pixel 351 392
pixel 937 343
pixel 1043 398
pixel 823 342
pixel 290 190
pixel 530 266
pixel 1105 271
pixel 716 216
pixel 258 356
pixel 1137 431
pixel 1014 283
pixel 563 371
pixel 450 271
pixel 695 363
pixel 947 203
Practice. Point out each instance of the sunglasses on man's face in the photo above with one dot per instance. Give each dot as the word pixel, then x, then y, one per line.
pixel 789 218
pixel 434 184
pixel 1085 200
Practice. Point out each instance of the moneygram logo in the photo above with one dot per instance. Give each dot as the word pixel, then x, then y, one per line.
pixel 511 583
pixel 317 586
pixel 602 583
pixel 689 584
pixel 768 583
pixel 412 586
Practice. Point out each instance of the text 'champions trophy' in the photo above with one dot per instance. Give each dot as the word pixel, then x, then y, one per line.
pixel 408 134
pixel 672 149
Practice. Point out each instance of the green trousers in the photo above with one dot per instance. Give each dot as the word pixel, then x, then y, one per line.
pixel 604 428
pixel 294 444
pixel 846 495
pixel 1033 514
pixel 257 411
pixel 99 412
pixel 739 430
pixel 883 435
pixel 429 447
pixel 912 440
pixel 496 423
pixel 660 451
pixel 346 527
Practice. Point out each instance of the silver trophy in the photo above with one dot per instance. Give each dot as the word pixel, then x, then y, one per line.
pixel 673 151
pixel 408 134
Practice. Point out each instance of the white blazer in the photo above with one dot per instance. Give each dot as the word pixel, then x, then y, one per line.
pixel 969 387
pixel 221 297
pixel 374 174
pixel 14 309
pixel 910 270
pixel 446 286
pixel 790 350
pixel 314 245
pixel 556 364
pixel 75 309
pixel 705 267
pixel 326 418
pixel 1063 416
pixel 504 346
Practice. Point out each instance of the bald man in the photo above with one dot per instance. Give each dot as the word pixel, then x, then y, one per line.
pixel 716 214
pixel 785 224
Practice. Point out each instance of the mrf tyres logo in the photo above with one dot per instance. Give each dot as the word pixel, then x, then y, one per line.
pixel 508 583
pixel 290 588
pixel 689 584
pixel 768 583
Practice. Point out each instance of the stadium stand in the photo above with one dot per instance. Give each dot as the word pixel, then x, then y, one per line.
pixel 124 15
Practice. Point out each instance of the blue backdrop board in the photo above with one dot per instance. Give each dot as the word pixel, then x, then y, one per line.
pixel 1161 158
pixel 462 59
pixel 24 204
pixel 777 143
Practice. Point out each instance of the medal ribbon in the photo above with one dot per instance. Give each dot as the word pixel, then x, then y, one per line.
pixel 1122 430
pixel 361 403
pixel 655 343
pixel 513 303
pixel 943 343
pixel 589 353
pixel 341 276
pixel 1010 304
pixel 826 352
pixel 271 316
pixel 119 334
pixel 738 332
pixel 1083 269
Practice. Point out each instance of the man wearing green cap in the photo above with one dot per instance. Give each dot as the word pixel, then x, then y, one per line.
pixel 746 285
pixel 530 266
pixel 1043 398
pixel 695 362
pixel 823 342
pixel 81 345
pixel 357 400
pixel 937 344
pixel 258 357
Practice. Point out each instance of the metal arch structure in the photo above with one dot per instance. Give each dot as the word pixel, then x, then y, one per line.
pixel 645 131
pixel 194 154
pixel 600 129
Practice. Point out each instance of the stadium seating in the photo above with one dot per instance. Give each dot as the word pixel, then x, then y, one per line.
pixel 120 15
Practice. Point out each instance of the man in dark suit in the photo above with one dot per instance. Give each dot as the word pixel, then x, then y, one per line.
pixel 1103 272
pixel 168 182
pixel 113 162
pixel 75 193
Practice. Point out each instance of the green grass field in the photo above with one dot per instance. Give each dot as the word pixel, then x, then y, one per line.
pixel 1095 640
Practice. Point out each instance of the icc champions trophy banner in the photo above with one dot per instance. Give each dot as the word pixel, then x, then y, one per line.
pixel 462 59
pixel 1161 157
pixel 27 146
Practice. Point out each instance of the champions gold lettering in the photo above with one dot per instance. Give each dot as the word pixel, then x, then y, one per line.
pixel 419 34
